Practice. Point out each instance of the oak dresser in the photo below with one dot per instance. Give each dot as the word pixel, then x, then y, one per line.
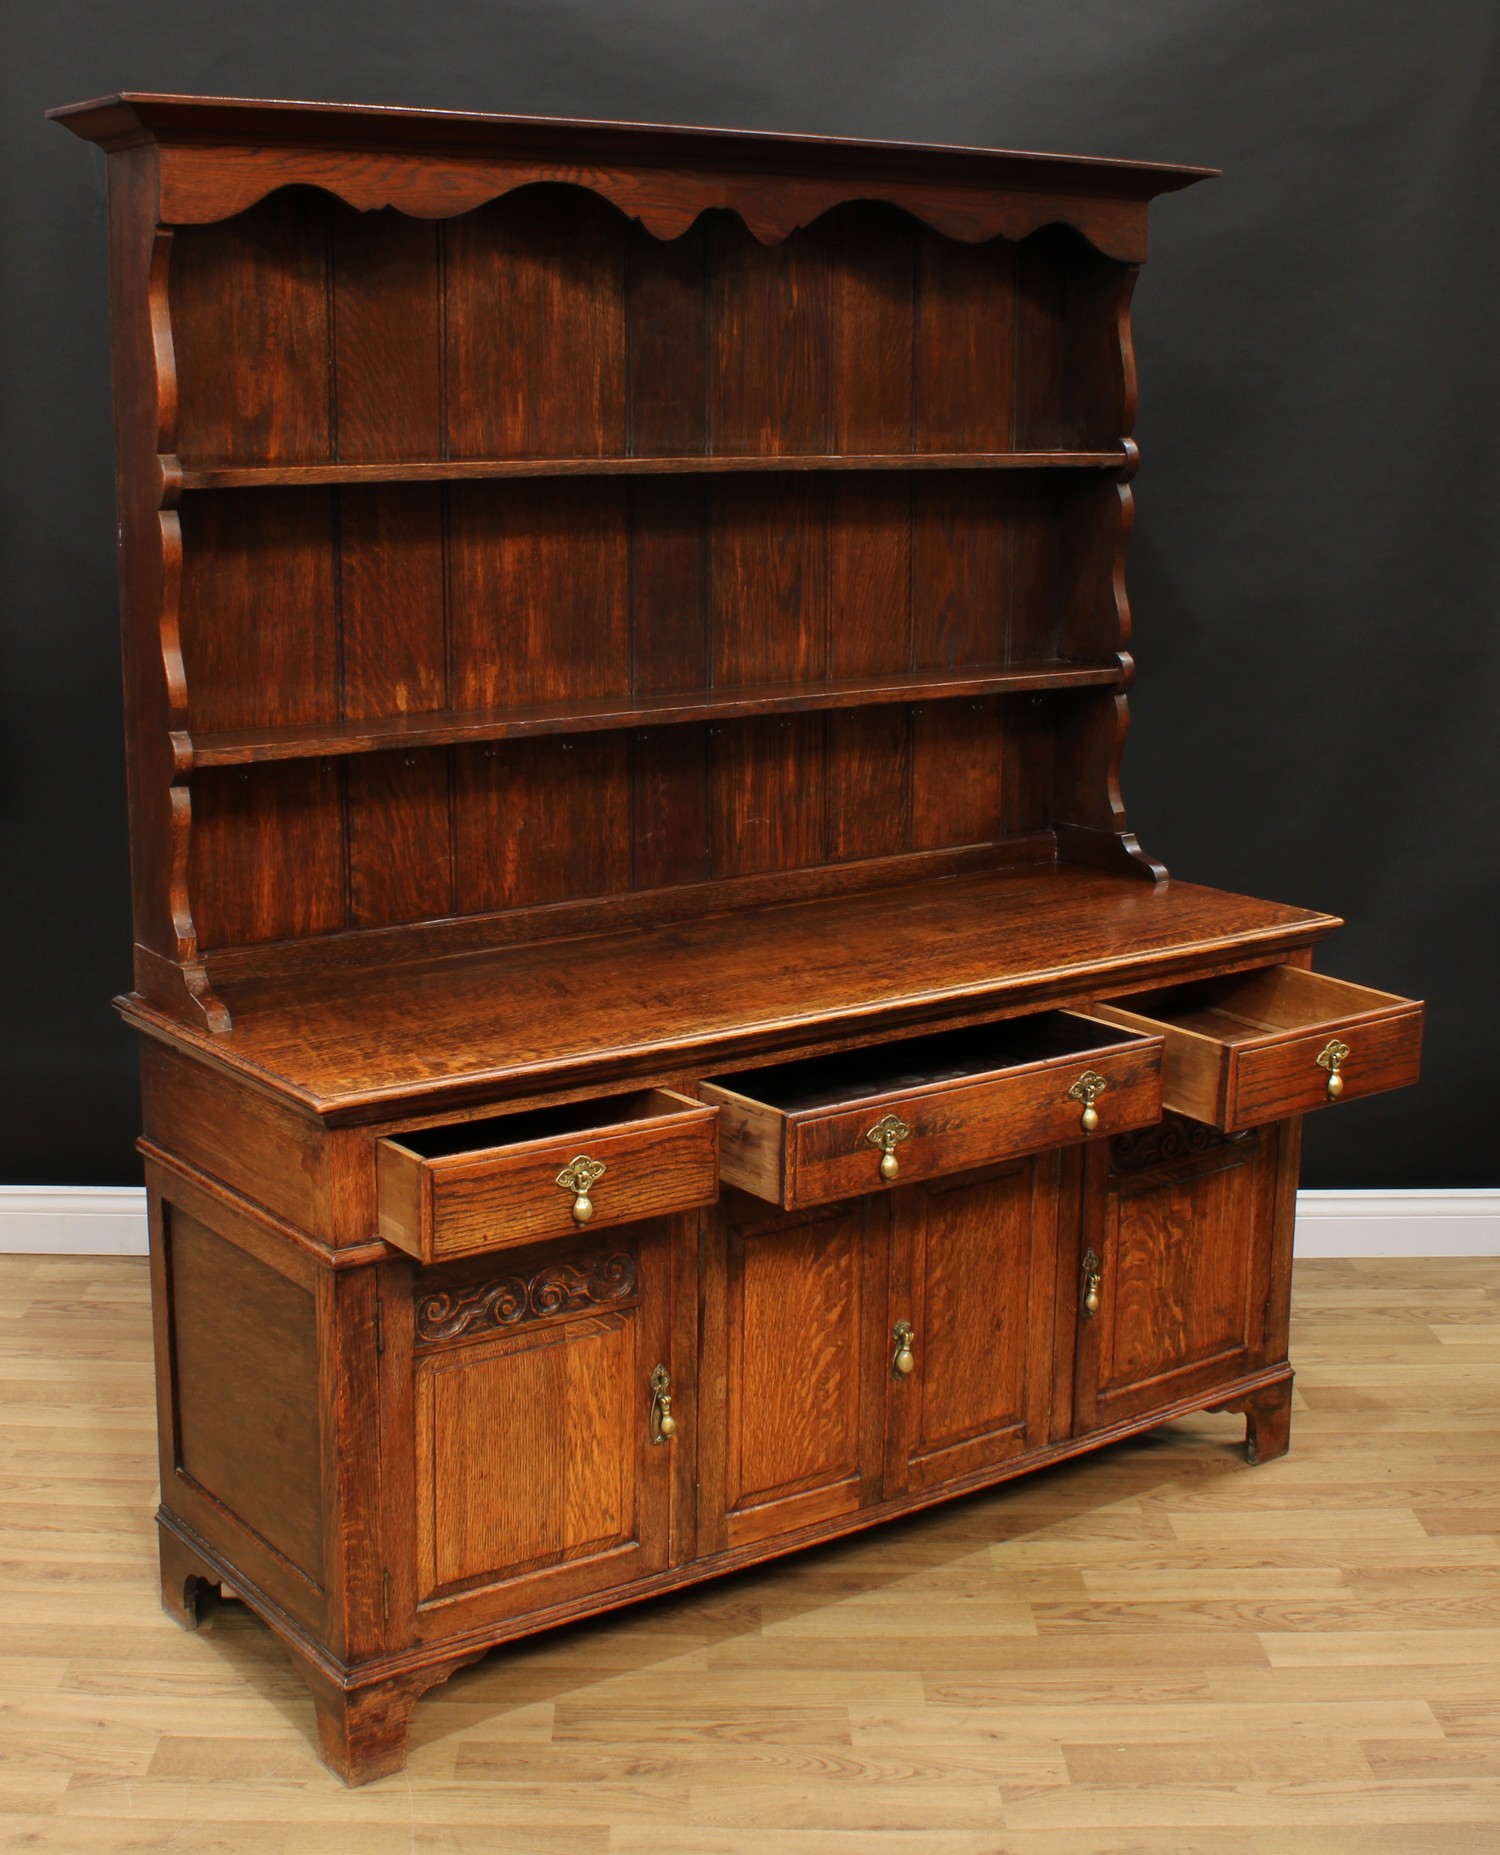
pixel 658 1045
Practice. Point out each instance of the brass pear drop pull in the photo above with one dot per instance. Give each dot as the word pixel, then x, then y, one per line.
pixel 888 1133
pixel 905 1361
pixel 1093 1280
pixel 1332 1057
pixel 580 1176
pixel 1087 1089
pixel 663 1423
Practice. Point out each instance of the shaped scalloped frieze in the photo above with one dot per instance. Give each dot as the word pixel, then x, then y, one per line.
pixel 199 185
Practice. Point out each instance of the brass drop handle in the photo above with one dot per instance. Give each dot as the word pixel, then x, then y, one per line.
pixel 888 1133
pixel 663 1423
pixel 905 1362
pixel 580 1176
pixel 1093 1280
pixel 1087 1089
pixel 1333 1057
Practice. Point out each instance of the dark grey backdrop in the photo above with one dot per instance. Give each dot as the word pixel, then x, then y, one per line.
pixel 1314 574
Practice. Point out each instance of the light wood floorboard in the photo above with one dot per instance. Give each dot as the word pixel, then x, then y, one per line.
pixel 1153 1651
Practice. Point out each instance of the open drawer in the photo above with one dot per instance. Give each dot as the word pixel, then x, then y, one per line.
pixel 489 1185
pixel 826 1127
pixel 1255 1046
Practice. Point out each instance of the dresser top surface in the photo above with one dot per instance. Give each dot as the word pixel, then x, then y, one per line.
pixel 726 988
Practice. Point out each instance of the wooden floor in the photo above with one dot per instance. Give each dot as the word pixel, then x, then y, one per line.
pixel 1155 1651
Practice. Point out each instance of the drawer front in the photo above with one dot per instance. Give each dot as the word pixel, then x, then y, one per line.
pixel 462 1203
pixel 960 1125
pixel 1268 1081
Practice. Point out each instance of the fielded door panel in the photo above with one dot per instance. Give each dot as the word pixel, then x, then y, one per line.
pixel 1179 1233
pixel 536 1474
pixel 792 1379
pixel 973 1263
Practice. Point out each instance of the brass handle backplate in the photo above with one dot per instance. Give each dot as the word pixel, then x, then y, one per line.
pixel 663 1423
pixel 1093 1281
pixel 1333 1057
pixel 1087 1089
pixel 580 1176
pixel 905 1362
pixel 888 1133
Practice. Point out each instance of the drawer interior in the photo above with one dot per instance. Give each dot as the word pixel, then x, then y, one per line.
pixel 1247 1007
pixel 815 1082
pixel 553 1123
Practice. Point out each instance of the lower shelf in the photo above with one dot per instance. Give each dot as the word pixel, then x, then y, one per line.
pixel 590 715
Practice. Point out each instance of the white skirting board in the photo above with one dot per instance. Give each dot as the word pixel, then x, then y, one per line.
pixel 1427 1223
pixel 110 1220
pixel 71 1220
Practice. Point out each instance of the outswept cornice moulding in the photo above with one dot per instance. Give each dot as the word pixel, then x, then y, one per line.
pixel 217 156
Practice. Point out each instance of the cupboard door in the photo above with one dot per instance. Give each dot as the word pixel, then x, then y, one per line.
pixel 1178 1239
pixel 973 1262
pixel 791 1379
pixel 536 1475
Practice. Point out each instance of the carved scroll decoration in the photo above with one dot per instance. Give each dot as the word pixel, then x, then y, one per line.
pixel 1173 1137
pixel 602 1279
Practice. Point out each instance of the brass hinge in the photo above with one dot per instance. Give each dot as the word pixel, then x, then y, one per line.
pixel 379 1326
pixel 1265 1318
pixel 385 1579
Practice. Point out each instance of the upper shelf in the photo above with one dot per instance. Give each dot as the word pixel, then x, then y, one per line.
pixel 454 470
pixel 588 715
